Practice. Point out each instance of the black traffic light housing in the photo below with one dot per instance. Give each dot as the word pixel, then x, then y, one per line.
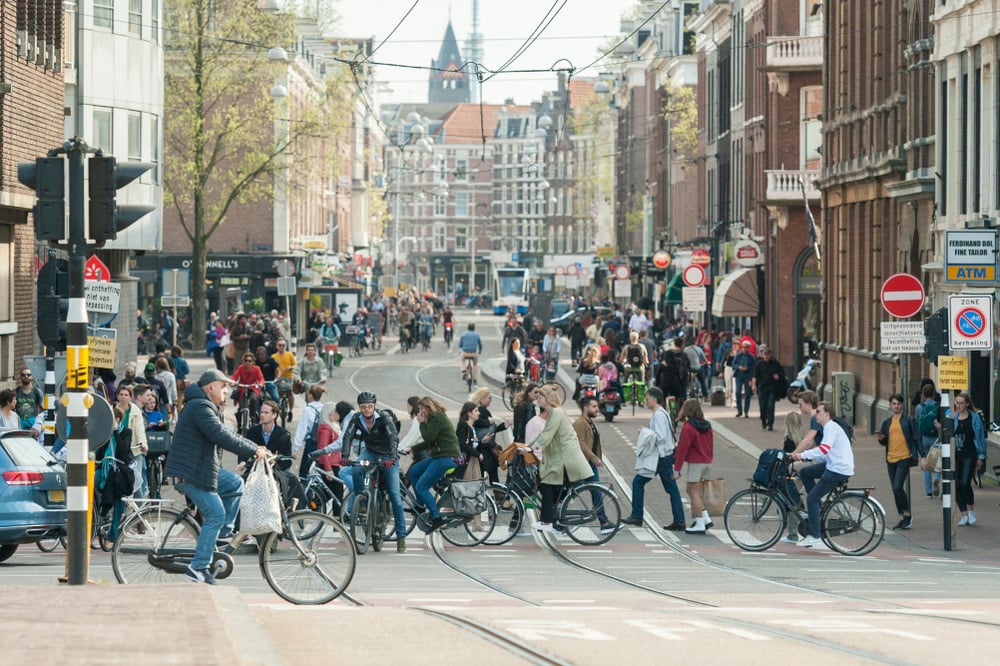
pixel 936 332
pixel 47 177
pixel 106 177
pixel 53 303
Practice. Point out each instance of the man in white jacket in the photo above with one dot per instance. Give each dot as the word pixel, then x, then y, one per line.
pixel 655 457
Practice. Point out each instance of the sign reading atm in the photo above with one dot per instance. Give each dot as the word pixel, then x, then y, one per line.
pixel 970 255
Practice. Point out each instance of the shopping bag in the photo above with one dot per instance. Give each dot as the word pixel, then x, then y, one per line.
pixel 713 495
pixel 473 471
pixel 260 506
pixel 469 497
pixel 934 458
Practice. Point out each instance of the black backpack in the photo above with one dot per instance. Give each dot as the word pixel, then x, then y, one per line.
pixel 770 468
pixel 847 427
pixel 313 436
pixel 634 354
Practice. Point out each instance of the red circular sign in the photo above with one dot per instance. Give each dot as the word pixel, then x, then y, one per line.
pixel 701 257
pixel 693 275
pixel 902 295
pixel 661 259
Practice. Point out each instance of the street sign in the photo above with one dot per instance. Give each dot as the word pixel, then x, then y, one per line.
pixel 662 259
pixel 971 322
pixel 285 268
pixel 902 295
pixel 103 297
pixel 103 345
pixel 701 257
pixel 953 373
pixel 100 421
pixel 96 270
pixel 623 288
pixel 693 276
pixel 902 337
pixel 622 272
pixel 694 299
pixel 970 255
pixel 286 286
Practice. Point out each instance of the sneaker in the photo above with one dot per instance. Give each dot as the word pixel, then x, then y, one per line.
pixel 607 528
pixel 199 575
pixel 905 523
pixel 543 527
pixel 972 517
pixel 697 527
pixel 400 545
pixel 809 542
pixel 789 538
pixel 707 519
pixel 964 521
pixel 289 417
pixel 632 521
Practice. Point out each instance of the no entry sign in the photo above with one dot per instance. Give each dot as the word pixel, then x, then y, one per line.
pixel 902 295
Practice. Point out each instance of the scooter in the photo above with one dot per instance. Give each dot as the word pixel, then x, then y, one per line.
pixel 610 401
pixel 588 387
pixel 806 380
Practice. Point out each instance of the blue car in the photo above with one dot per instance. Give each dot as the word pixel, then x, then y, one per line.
pixel 32 492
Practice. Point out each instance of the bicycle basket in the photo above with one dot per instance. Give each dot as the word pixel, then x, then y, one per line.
pixel 522 478
pixel 469 496
pixel 159 442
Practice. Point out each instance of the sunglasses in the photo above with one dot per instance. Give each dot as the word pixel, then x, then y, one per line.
pixel 23 374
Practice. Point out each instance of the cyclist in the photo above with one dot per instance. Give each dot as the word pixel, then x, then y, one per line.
pixel 328 333
pixel 360 319
pixel 249 374
pixel 269 370
pixel 426 325
pixel 635 359
pixel 835 464
pixel 194 464
pixel 471 346
pixel 286 373
pixel 440 439
pixel 309 370
pixel 448 320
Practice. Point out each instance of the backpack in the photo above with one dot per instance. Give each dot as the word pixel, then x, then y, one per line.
pixel 391 415
pixel 847 427
pixel 634 355
pixel 770 468
pixel 925 420
pixel 670 369
pixel 311 436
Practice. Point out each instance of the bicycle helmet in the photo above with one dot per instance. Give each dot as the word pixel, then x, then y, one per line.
pixel 366 397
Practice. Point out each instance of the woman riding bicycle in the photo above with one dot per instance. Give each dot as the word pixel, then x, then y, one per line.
pixel 440 440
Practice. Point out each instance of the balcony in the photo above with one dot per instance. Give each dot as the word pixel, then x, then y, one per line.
pixel 794 54
pixel 783 186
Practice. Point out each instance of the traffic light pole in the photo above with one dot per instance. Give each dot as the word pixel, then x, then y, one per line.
pixel 76 399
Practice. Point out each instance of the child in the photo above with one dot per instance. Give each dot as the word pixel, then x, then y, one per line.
pixel 535 360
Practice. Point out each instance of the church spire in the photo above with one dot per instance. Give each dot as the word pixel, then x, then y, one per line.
pixel 449 82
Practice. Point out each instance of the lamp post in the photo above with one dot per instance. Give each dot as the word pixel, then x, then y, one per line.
pixel 416 134
pixel 280 233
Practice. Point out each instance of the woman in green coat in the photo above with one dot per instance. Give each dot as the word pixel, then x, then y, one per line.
pixel 562 457
pixel 440 441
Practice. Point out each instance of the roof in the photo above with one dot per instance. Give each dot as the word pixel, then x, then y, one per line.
pixel 465 124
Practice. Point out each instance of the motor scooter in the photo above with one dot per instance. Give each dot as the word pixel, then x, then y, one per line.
pixel 610 401
pixel 588 387
pixel 806 380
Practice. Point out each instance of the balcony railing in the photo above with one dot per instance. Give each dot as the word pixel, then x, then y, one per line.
pixel 783 186
pixel 794 53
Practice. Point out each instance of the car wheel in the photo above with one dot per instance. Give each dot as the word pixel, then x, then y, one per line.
pixel 6 550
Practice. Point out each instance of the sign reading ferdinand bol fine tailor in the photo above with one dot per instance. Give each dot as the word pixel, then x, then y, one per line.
pixel 970 255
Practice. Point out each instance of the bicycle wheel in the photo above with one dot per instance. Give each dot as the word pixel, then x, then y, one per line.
pixel 47 545
pixel 755 519
pixel 282 410
pixel 510 519
pixel 410 511
pixel 379 520
pixel 313 568
pixel 508 395
pixel 360 524
pixel 852 524
pixel 318 497
pixel 154 533
pixel 155 473
pixel 587 512
pixel 466 531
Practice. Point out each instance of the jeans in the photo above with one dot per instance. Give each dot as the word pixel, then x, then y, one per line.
pixel 899 474
pixel 391 476
pixel 423 475
pixel 929 476
pixel 142 481
pixel 965 468
pixel 272 391
pixel 766 399
pixel 596 498
pixel 817 491
pixel 743 395
pixel 705 378
pixel 664 470
pixel 218 512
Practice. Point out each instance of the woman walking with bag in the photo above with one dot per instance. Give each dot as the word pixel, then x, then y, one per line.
pixel 695 447
pixel 970 453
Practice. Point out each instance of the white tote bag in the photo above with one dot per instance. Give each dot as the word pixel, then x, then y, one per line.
pixel 260 506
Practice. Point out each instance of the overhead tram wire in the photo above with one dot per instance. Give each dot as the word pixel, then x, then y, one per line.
pixel 393 31
pixel 530 40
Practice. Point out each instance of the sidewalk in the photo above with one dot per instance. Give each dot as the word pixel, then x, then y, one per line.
pixel 926 536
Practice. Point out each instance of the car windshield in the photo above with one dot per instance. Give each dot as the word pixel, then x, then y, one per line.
pixel 25 451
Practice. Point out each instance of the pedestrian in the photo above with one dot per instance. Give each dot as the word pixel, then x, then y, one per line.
pixel 767 381
pixel 590 444
pixel 561 457
pixel 695 447
pixel 901 438
pixel 524 411
pixel 970 454
pixel 30 402
pixel 724 365
pixel 655 457
pixel 487 428
pixel 927 418
pixel 743 375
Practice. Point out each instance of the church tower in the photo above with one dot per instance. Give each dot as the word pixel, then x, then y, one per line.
pixel 448 82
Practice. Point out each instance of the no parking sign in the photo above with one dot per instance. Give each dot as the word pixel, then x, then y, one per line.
pixel 970 322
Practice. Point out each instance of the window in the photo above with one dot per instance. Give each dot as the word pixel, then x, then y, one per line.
pixel 812 127
pixel 104 13
pixel 461 239
pixel 461 204
pixel 135 17
pixel 440 237
pixel 154 21
pixel 101 131
pixel 154 147
pixel 461 171
pixel 135 137
pixel 440 205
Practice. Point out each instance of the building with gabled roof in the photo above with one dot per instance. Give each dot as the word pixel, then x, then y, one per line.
pixel 448 80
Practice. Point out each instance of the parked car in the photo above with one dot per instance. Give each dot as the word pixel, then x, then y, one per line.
pixel 32 492
pixel 564 321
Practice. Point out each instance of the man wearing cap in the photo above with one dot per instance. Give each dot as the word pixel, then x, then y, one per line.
pixel 768 379
pixel 743 375
pixel 194 465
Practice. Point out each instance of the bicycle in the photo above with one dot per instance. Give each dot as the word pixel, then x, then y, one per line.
pixel 852 522
pixel 468 372
pixel 319 496
pixel 246 416
pixel 449 334
pixel 370 508
pixel 159 442
pixel 425 337
pixel 404 340
pixel 357 334
pixel 634 388
pixel 284 401
pixel 311 561
pixel 464 525
pixel 511 388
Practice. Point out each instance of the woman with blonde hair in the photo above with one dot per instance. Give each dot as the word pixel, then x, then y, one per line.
pixel 562 458
pixel 695 447
pixel 486 429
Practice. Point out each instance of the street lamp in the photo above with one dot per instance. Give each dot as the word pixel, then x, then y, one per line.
pixel 416 136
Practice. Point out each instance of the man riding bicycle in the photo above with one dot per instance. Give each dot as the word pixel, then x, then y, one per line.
pixel 635 359
pixel 309 370
pixel 194 464
pixel 286 373
pixel 471 346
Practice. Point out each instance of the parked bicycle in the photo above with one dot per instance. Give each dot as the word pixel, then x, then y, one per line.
pixel 852 522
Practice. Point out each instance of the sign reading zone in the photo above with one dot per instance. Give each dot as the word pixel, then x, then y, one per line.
pixel 970 322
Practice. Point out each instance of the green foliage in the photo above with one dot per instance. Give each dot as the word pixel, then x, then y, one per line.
pixel 255 304
pixel 681 112
pixel 634 218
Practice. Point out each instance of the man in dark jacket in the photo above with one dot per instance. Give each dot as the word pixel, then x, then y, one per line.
pixel 768 379
pixel 194 464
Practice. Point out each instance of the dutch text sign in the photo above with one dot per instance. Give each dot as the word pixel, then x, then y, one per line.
pixel 970 255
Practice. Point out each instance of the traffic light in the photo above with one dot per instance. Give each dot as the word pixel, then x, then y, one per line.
pixel 53 303
pixel 107 176
pixel 936 332
pixel 47 177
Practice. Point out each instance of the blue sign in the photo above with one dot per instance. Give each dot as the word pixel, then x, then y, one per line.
pixel 970 322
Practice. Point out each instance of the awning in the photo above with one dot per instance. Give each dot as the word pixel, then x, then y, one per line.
pixel 737 295
pixel 674 293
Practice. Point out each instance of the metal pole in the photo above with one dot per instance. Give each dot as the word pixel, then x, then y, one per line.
pixel 472 251
pixel 77 378
pixel 173 342
pixel 947 474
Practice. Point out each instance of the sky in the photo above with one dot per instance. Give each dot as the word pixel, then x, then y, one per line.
pixel 575 34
